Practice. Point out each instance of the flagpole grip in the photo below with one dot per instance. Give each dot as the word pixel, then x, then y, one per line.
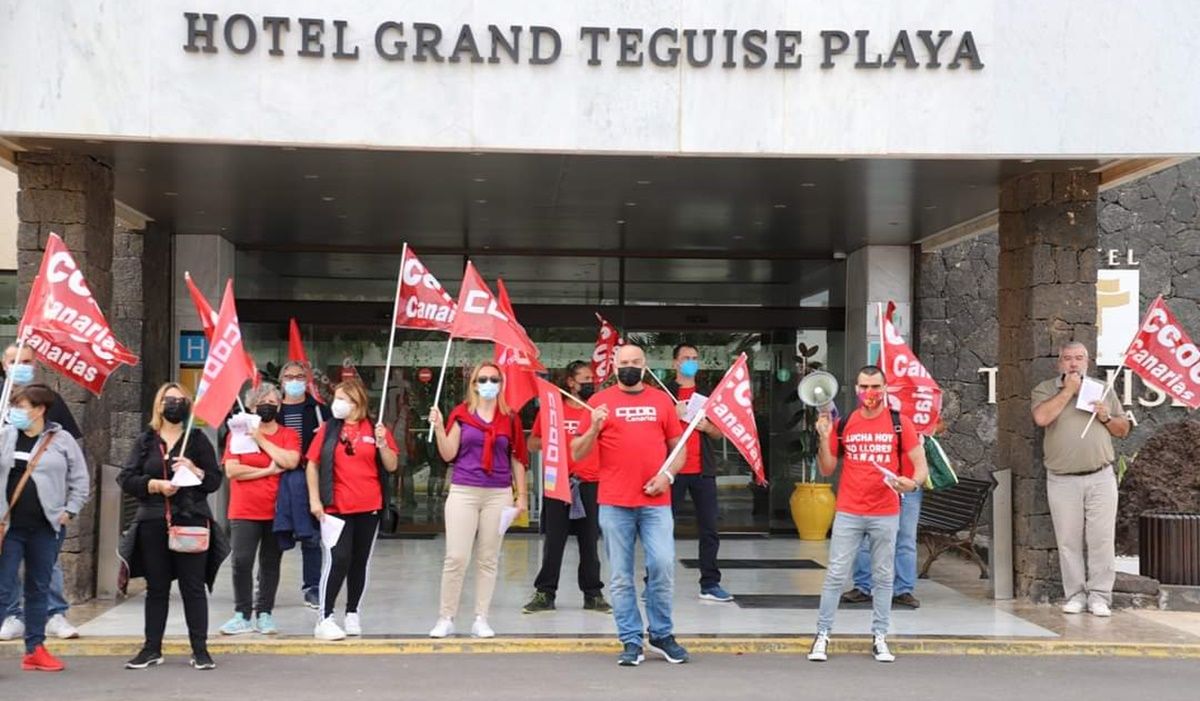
pixel 573 398
pixel 1107 388
pixel 437 394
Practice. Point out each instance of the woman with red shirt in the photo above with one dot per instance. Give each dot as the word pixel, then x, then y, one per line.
pixel 253 485
pixel 484 440
pixel 345 480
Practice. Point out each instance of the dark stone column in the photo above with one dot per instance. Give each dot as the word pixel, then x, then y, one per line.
pixel 1047 296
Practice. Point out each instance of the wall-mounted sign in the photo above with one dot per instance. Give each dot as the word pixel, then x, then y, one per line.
pixel 193 348
pixel 1118 314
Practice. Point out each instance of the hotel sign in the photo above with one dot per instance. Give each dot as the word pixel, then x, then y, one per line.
pixel 426 43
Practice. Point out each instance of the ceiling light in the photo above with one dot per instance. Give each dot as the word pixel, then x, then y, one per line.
pixel 808 184
pixel 839 255
pixel 342 216
pixel 92 141
pixel 738 237
pixel 780 205
pixel 480 201
pixel 1027 160
pixel 480 180
pixel 930 207
pixel 168 193
pixel 327 198
pixel 200 212
pixel 631 204
pixel 311 176
pixel 643 182
pixel 620 221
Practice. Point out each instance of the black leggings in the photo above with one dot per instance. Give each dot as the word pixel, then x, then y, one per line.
pixel 348 560
pixel 161 566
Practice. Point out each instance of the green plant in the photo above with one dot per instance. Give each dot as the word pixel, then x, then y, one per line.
pixel 804 422
pixel 1123 464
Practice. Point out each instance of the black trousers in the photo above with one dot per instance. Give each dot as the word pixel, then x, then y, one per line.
pixel 248 538
pixel 703 490
pixel 162 565
pixel 348 560
pixel 558 526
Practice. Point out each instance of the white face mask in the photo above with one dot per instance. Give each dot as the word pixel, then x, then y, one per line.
pixel 341 409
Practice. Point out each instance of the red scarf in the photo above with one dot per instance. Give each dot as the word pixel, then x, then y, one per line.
pixel 510 429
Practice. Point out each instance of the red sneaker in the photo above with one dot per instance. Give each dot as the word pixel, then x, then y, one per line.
pixel 40 660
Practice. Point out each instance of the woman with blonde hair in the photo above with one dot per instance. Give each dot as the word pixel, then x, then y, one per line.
pixel 484 440
pixel 345 480
pixel 147 548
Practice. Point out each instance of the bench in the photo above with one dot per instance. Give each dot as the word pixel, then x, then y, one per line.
pixel 949 519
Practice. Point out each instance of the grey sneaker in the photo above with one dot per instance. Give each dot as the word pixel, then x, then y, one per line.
pixel 631 656
pixel 540 602
pixel 671 651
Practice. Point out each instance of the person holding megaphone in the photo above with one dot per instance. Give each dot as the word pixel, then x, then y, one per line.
pixel 870 442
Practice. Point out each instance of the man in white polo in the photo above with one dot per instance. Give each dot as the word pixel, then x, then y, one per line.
pixel 1081 484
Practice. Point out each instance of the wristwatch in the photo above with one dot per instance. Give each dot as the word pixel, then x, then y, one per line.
pixel 670 477
pixel 1104 422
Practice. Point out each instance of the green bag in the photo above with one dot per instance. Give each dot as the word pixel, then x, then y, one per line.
pixel 941 473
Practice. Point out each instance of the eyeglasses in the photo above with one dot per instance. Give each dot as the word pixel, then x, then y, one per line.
pixel 294 377
pixel 486 380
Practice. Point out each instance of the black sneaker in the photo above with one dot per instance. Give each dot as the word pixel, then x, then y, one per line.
pixel 906 600
pixel 312 598
pixel 855 596
pixel 203 661
pixel 671 651
pixel 631 656
pixel 541 601
pixel 596 603
pixel 145 658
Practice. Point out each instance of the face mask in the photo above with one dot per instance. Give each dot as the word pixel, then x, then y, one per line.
pixel 22 374
pixel 267 412
pixel 870 399
pixel 689 368
pixel 177 412
pixel 630 376
pixel 19 418
pixel 294 388
pixel 341 409
pixel 586 391
pixel 487 390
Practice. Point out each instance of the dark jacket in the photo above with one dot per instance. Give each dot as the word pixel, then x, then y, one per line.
pixel 189 505
pixel 293 521
pixel 59 413
pixel 708 456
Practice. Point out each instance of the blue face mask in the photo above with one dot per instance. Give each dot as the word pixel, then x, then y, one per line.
pixel 689 368
pixel 22 374
pixel 295 388
pixel 19 418
pixel 487 390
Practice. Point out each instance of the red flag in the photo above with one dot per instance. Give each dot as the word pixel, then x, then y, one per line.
pixel 296 353
pixel 607 341
pixel 204 310
pixel 518 367
pixel 227 366
pixel 422 302
pixel 479 316
pixel 731 408
pixel 555 446
pixel 1163 355
pixel 912 391
pixel 64 326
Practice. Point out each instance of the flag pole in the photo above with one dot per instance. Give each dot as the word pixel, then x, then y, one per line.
pixel 8 380
pixel 188 431
pixel 687 433
pixel 1120 366
pixel 387 366
pixel 437 394
pixel 573 398
pixel 660 384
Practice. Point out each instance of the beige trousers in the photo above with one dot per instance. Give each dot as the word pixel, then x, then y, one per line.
pixel 472 520
pixel 1084 511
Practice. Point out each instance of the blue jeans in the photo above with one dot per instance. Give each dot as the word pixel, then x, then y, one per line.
pixel 622 526
pixel 58 602
pixel 906 550
pixel 37 548
pixel 849 532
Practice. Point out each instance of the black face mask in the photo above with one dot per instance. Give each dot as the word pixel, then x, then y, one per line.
pixel 586 391
pixel 176 412
pixel 267 412
pixel 630 376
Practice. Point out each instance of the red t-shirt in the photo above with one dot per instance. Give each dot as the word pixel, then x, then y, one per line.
pixel 576 420
pixel 356 488
pixel 694 464
pixel 632 444
pixel 871 442
pixel 255 499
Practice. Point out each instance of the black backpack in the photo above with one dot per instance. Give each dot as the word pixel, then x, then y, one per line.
pixel 896 427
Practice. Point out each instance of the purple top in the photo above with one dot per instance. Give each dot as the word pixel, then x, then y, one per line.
pixel 468 465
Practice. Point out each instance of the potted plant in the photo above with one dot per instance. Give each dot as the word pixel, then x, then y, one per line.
pixel 812 502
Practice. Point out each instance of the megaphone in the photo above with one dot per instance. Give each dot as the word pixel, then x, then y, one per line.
pixel 818 389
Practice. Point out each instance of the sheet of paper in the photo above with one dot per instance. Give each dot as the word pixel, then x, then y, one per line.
pixel 331 530
pixel 507 516
pixel 888 475
pixel 184 477
pixel 1090 391
pixel 240 426
pixel 694 406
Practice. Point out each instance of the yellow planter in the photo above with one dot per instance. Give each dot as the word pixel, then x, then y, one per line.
pixel 812 510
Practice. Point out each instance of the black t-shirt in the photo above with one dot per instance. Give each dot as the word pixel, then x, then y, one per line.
pixel 27 511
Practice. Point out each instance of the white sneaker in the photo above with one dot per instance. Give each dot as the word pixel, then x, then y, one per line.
pixel 1100 608
pixel 1073 606
pixel 481 629
pixel 353 624
pixel 443 628
pixel 328 629
pixel 59 627
pixel 12 628
pixel 880 650
pixel 820 648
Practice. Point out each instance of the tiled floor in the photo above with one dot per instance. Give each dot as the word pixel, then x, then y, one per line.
pixel 405 577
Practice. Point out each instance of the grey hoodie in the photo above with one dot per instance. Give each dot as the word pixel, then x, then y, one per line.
pixel 61 475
